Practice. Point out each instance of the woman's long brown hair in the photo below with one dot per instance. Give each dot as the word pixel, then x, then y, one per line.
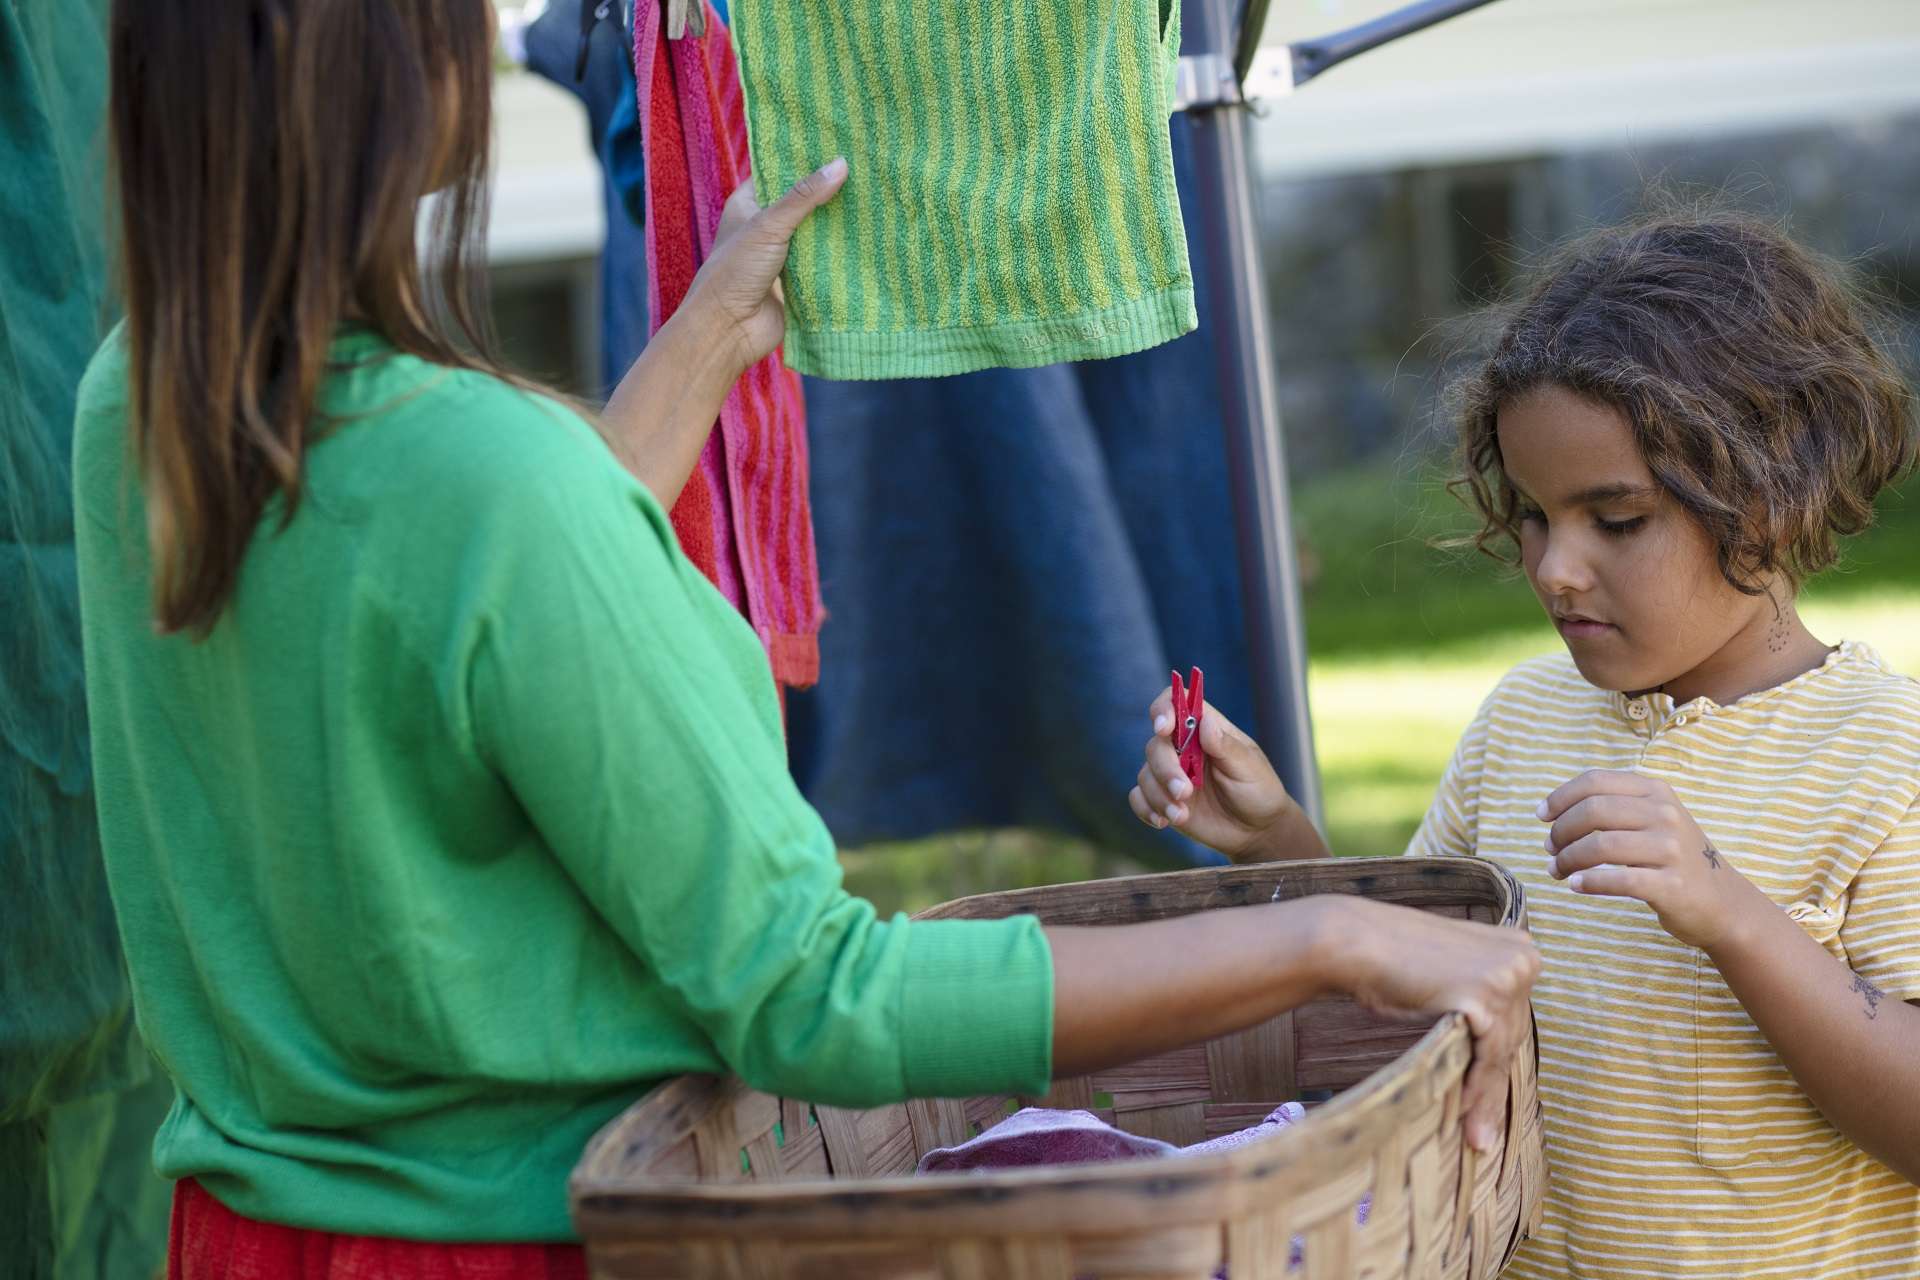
pixel 271 156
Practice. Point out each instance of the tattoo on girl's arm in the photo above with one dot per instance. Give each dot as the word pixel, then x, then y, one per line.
pixel 1874 995
pixel 1712 855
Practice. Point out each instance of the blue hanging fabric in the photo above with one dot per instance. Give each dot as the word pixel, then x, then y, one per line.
pixel 605 87
pixel 1012 562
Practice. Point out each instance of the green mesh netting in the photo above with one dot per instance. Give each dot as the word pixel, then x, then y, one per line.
pixel 69 1058
pixel 64 1014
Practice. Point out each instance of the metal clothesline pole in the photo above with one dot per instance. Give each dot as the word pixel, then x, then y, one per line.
pixel 1223 67
pixel 1250 416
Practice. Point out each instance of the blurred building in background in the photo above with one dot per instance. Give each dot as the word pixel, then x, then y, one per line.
pixel 1400 189
pixel 549 221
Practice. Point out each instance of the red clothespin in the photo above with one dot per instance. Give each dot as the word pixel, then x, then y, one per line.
pixel 1189 705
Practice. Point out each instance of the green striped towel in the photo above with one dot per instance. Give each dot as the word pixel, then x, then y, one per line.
pixel 1010 198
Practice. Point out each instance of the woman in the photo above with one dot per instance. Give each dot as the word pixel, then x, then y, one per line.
pixel 444 802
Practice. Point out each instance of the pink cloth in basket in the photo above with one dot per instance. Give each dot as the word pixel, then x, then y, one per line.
pixel 1037 1136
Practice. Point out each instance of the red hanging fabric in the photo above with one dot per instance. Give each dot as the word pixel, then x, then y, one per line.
pixel 744 516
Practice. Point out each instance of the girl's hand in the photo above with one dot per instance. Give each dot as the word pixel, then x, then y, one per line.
pixel 1628 836
pixel 738 288
pixel 1244 798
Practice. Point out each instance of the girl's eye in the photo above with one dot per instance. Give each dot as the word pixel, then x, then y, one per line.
pixel 1620 528
pixel 1530 515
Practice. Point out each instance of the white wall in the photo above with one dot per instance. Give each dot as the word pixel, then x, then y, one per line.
pixel 1529 76
pixel 546 202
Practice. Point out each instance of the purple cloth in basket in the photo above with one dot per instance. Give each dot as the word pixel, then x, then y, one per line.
pixel 1037 1136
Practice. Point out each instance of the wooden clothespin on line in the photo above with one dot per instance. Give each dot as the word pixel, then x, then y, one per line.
pixel 686 17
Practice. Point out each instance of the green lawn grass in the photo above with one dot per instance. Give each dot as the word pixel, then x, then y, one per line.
pixel 1405 639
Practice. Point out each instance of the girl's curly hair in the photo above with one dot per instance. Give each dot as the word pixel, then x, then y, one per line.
pixel 1747 366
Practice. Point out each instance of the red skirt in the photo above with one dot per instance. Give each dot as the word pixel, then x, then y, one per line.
pixel 209 1241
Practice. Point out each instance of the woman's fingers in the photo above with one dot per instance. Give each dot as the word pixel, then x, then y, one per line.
pixel 784 216
pixel 1496 1013
pixel 1483 1096
pixel 1411 962
pixel 739 210
pixel 738 285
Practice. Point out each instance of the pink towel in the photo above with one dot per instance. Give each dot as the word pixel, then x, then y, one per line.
pixel 743 517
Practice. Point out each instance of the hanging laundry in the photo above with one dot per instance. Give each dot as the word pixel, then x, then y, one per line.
pixel 1011 198
pixel 743 517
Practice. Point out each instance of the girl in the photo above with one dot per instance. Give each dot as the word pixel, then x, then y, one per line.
pixel 1714 813
pixel 444 802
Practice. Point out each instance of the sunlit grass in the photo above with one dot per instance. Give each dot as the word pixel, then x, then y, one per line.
pixel 1384 727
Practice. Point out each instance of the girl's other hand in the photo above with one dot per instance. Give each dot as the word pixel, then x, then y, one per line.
pixel 1243 799
pixel 738 288
pixel 1625 835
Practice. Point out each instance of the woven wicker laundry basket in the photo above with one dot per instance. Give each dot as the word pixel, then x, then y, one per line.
pixel 706 1178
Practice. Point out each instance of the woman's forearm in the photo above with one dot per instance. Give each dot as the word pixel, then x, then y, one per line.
pixel 1129 992
pixel 1854 1050
pixel 661 414
pixel 1133 991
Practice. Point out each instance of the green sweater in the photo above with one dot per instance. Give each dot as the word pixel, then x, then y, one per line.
pixel 471 820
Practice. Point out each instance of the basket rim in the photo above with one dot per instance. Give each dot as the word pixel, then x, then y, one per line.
pixel 1509 884
pixel 955 1202
pixel 1325 1118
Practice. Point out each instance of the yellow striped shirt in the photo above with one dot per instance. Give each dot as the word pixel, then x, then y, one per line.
pixel 1678 1143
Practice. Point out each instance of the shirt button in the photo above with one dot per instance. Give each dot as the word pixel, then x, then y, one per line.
pixel 1680 719
pixel 1637 710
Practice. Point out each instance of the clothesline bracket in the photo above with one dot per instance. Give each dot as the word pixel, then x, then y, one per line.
pixel 1207 80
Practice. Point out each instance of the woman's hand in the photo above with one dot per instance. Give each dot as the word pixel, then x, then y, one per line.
pixel 1626 835
pixel 1128 992
pixel 738 287
pixel 661 414
pixel 1244 803
pixel 1395 960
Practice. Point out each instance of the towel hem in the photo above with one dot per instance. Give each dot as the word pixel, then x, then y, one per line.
pixel 1127 327
pixel 795 658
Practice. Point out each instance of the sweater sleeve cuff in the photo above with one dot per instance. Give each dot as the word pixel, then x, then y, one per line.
pixel 976 1010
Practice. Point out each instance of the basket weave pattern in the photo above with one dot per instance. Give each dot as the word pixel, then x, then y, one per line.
pixel 706 1178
